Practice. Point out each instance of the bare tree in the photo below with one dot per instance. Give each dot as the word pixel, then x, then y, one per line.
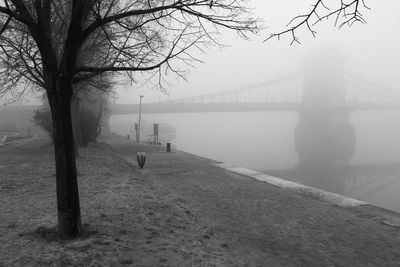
pixel 92 95
pixel 344 12
pixel 42 43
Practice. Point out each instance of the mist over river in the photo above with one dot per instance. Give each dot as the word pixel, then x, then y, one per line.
pixel 264 141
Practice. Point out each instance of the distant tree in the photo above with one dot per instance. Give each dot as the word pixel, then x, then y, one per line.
pixel 88 126
pixel 90 120
pixel 93 109
pixel 92 95
pixel 42 118
pixel 41 42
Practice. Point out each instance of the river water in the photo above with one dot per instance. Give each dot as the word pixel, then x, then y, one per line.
pixel 264 141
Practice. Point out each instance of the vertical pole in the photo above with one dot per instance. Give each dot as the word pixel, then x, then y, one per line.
pixel 168 147
pixel 155 133
pixel 137 132
pixel 140 116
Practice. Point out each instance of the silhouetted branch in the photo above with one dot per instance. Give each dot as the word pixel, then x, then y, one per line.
pixel 347 13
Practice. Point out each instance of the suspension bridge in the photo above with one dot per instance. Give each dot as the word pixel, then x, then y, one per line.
pixel 283 94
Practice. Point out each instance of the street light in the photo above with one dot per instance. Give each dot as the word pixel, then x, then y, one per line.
pixel 140 116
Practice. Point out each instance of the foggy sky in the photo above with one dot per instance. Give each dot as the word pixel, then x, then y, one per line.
pixel 372 51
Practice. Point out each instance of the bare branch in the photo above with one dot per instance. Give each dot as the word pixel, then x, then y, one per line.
pixel 346 13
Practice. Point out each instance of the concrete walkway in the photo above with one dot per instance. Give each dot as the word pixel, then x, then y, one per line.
pixel 266 225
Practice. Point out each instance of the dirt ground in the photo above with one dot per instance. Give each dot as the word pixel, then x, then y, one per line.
pixel 180 210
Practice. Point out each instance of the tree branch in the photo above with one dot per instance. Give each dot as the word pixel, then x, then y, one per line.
pixel 341 12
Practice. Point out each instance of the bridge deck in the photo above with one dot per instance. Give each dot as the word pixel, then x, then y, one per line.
pixel 240 107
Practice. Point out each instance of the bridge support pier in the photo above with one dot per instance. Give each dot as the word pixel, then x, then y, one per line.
pixel 325 143
pixel 324 137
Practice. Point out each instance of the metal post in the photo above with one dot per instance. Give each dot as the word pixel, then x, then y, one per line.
pixel 168 147
pixel 155 133
pixel 136 132
pixel 140 116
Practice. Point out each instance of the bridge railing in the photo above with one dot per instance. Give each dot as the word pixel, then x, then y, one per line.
pixel 359 90
pixel 286 89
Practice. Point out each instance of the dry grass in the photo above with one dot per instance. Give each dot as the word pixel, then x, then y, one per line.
pixel 128 219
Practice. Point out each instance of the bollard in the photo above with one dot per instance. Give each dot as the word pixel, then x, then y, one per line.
pixel 168 147
pixel 128 137
pixel 141 159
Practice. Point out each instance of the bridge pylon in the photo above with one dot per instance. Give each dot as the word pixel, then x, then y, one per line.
pixel 324 136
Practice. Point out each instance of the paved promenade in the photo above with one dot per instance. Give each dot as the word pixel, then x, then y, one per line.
pixel 267 225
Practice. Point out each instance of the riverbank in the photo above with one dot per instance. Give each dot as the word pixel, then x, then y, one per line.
pixel 180 210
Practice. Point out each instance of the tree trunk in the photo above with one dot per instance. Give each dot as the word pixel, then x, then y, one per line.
pixel 76 121
pixel 68 207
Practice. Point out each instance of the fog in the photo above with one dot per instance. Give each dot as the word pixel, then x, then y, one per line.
pixel 352 149
pixel 371 50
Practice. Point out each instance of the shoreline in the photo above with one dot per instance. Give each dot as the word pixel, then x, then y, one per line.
pixel 333 198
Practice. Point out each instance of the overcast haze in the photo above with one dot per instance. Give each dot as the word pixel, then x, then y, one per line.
pixel 371 50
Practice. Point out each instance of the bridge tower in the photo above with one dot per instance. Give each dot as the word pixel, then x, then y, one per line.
pixel 324 137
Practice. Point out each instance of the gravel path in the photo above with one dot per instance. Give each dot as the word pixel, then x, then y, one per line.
pixel 263 225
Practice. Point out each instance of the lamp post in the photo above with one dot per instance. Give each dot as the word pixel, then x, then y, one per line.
pixel 140 116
